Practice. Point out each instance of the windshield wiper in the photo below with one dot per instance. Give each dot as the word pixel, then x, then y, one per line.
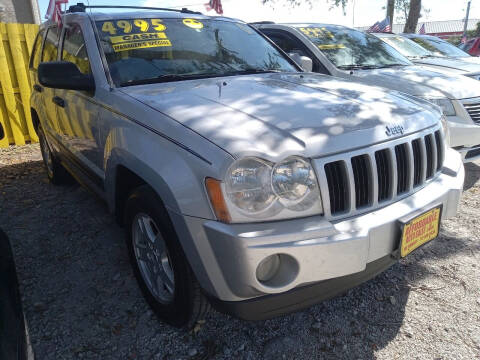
pixel 252 71
pixel 168 78
pixel 358 67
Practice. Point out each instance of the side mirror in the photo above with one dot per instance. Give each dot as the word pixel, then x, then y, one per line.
pixel 2 132
pixel 64 75
pixel 304 61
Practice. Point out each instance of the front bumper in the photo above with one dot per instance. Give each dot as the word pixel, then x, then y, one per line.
pixel 317 250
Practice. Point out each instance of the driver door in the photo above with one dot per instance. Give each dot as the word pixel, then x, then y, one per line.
pixel 77 111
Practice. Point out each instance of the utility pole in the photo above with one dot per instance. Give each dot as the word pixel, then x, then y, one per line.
pixel 464 37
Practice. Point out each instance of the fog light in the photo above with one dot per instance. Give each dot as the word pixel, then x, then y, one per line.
pixel 268 268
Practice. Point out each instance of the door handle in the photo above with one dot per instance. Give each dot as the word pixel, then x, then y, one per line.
pixel 59 101
pixel 37 88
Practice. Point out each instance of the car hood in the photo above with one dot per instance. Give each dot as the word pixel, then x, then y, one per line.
pixel 451 63
pixel 470 59
pixel 419 81
pixel 277 115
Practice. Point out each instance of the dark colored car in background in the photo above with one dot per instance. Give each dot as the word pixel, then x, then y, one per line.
pixel 13 334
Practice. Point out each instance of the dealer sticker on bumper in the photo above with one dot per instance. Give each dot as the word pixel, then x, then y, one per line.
pixel 420 230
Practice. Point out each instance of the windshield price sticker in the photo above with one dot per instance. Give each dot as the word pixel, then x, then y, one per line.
pixel 316 32
pixel 136 34
pixel 192 23
pixel 331 46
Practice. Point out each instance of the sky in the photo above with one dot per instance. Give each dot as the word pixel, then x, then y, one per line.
pixel 363 13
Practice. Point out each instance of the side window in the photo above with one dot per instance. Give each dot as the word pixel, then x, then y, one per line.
pixel 74 48
pixel 291 45
pixel 37 50
pixel 50 49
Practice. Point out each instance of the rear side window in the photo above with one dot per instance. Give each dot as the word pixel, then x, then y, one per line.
pixel 290 44
pixel 37 50
pixel 50 49
pixel 74 48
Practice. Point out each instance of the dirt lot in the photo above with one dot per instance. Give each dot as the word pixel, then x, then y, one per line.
pixel 82 301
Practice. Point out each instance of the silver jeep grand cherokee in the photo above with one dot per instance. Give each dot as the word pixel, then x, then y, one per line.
pixel 241 181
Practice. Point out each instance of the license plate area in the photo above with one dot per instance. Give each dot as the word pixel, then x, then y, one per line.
pixel 420 230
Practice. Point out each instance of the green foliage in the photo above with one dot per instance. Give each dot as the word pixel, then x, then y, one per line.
pixel 474 33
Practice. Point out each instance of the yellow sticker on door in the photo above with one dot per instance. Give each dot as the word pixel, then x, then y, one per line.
pixel 192 23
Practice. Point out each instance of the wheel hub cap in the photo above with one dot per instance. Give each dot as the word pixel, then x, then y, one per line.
pixel 152 258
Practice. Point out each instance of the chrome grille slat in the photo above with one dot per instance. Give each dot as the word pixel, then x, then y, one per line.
pixel 440 149
pixel 393 173
pixel 473 110
pixel 365 180
pixel 351 186
pixel 411 166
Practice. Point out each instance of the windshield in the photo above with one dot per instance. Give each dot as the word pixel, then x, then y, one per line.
pixel 406 47
pixel 156 50
pixel 348 48
pixel 440 48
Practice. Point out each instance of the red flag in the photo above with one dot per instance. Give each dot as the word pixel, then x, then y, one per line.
pixel 54 11
pixel 422 30
pixel 215 5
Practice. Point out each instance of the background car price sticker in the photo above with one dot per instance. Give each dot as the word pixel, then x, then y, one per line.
pixel 420 230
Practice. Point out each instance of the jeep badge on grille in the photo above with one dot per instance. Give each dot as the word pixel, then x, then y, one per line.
pixel 394 129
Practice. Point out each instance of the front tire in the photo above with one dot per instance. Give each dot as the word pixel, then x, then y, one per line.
pixel 160 266
pixel 55 171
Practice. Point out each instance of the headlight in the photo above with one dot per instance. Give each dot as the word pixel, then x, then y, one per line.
pixel 446 106
pixel 293 180
pixel 248 185
pixel 257 190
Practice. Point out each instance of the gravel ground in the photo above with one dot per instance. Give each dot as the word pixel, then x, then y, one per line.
pixel 82 301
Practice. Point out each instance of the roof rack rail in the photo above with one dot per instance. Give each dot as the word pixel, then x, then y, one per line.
pixel 81 7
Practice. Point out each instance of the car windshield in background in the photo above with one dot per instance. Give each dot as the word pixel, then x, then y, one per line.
pixel 440 48
pixel 140 51
pixel 407 47
pixel 350 49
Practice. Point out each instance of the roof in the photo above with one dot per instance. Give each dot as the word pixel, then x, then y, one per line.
pixel 99 13
pixel 144 14
pixel 435 27
pixel 384 35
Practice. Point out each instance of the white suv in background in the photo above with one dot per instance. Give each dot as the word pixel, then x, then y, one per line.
pixel 352 54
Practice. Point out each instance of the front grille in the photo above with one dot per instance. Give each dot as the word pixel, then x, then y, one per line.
pixel 369 179
pixel 337 186
pixel 474 111
pixel 361 175
pixel 383 174
pixel 403 170
pixel 417 162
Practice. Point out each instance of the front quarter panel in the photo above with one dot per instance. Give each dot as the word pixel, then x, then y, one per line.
pixel 175 162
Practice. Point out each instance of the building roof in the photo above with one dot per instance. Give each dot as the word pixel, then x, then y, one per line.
pixel 436 27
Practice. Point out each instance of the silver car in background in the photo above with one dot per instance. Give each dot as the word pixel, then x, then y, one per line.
pixel 440 47
pixel 433 60
pixel 348 53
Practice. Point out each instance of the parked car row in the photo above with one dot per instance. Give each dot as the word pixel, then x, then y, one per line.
pixel 243 181
pixel 352 54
